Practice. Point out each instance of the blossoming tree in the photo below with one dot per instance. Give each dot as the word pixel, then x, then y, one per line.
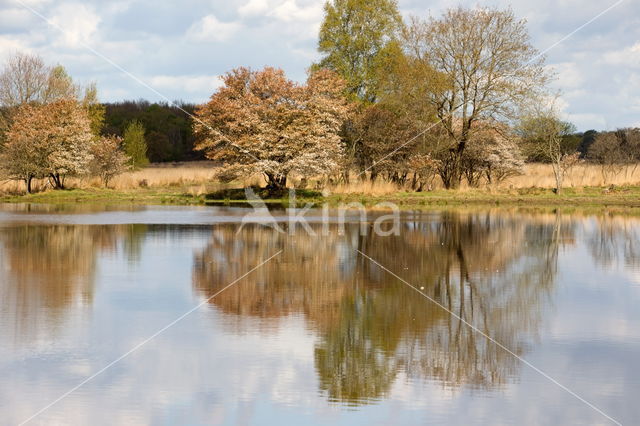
pixel 260 122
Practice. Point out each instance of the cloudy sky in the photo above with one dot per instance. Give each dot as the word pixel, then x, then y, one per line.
pixel 178 49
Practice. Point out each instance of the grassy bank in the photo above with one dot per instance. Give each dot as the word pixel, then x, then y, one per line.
pixel 625 196
pixel 195 184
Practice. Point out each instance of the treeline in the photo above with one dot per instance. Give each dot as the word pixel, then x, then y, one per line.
pixel 462 98
pixel 52 128
pixel 168 129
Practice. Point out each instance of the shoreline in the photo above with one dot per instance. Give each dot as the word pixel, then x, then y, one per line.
pixel 626 197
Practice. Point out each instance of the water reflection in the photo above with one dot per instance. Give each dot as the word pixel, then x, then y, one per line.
pixel 613 239
pixel 319 330
pixel 49 269
pixel 493 271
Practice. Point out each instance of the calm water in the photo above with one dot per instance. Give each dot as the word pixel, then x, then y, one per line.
pixel 319 334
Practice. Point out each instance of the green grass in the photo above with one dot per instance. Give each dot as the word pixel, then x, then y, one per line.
pixel 623 197
pixel 109 196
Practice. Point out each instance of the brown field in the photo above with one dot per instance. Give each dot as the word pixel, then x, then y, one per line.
pixel 199 177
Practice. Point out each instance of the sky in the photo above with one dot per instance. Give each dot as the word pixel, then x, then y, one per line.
pixel 162 50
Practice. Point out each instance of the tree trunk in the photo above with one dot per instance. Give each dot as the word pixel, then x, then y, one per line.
pixel 58 180
pixel 276 184
pixel 345 176
pixel 557 172
pixel 27 182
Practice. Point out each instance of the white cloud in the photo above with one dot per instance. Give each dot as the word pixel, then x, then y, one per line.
pixel 290 11
pixel 15 18
pixel 209 28
pixel 199 85
pixel 587 121
pixel 628 56
pixel 302 18
pixel 569 75
pixel 9 45
pixel 254 8
pixel 283 10
pixel 77 22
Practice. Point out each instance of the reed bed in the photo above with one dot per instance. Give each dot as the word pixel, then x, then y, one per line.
pixel 198 178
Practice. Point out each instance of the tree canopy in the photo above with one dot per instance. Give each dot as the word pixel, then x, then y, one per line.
pixel 490 68
pixel 262 122
pixel 354 39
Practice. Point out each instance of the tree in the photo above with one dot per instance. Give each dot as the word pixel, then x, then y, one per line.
pixel 377 135
pixel 108 158
pixel 260 122
pixel 490 68
pixel 24 154
pixel 59 85
pixel 542 132
pixel 95 110
pixel 492 154
pixel 614 150
pixel 51 140
pixel 168 128
pixel 24 79
pixel 135 144
pixel 588 138
pixel 354 38
pixel 27 79
pixel 69 134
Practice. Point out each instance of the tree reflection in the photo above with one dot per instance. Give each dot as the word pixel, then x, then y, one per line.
pixel 50 268
pixel 494 271
pixel 613 239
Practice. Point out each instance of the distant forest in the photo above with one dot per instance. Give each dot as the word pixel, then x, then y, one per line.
pixel 169 131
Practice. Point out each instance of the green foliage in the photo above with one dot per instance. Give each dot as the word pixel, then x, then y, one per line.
pixel 169 133
pixel 546 137
pixel 60 85
pixel 355 37
pixel 588 138
pixel 135 144
pixel 95 110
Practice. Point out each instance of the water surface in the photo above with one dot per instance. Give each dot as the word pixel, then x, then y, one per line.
pixel 319 334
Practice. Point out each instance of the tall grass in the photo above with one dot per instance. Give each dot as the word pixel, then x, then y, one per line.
pixel 541 175
pixel 199 177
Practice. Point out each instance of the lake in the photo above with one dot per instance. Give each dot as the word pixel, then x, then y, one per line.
pixel 182 315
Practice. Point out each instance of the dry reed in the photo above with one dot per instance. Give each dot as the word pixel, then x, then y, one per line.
pixel 199 177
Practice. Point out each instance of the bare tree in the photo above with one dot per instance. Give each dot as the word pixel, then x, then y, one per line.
pixel 542 132
pixel 614 150
pixel 490 67
pixel 24 79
